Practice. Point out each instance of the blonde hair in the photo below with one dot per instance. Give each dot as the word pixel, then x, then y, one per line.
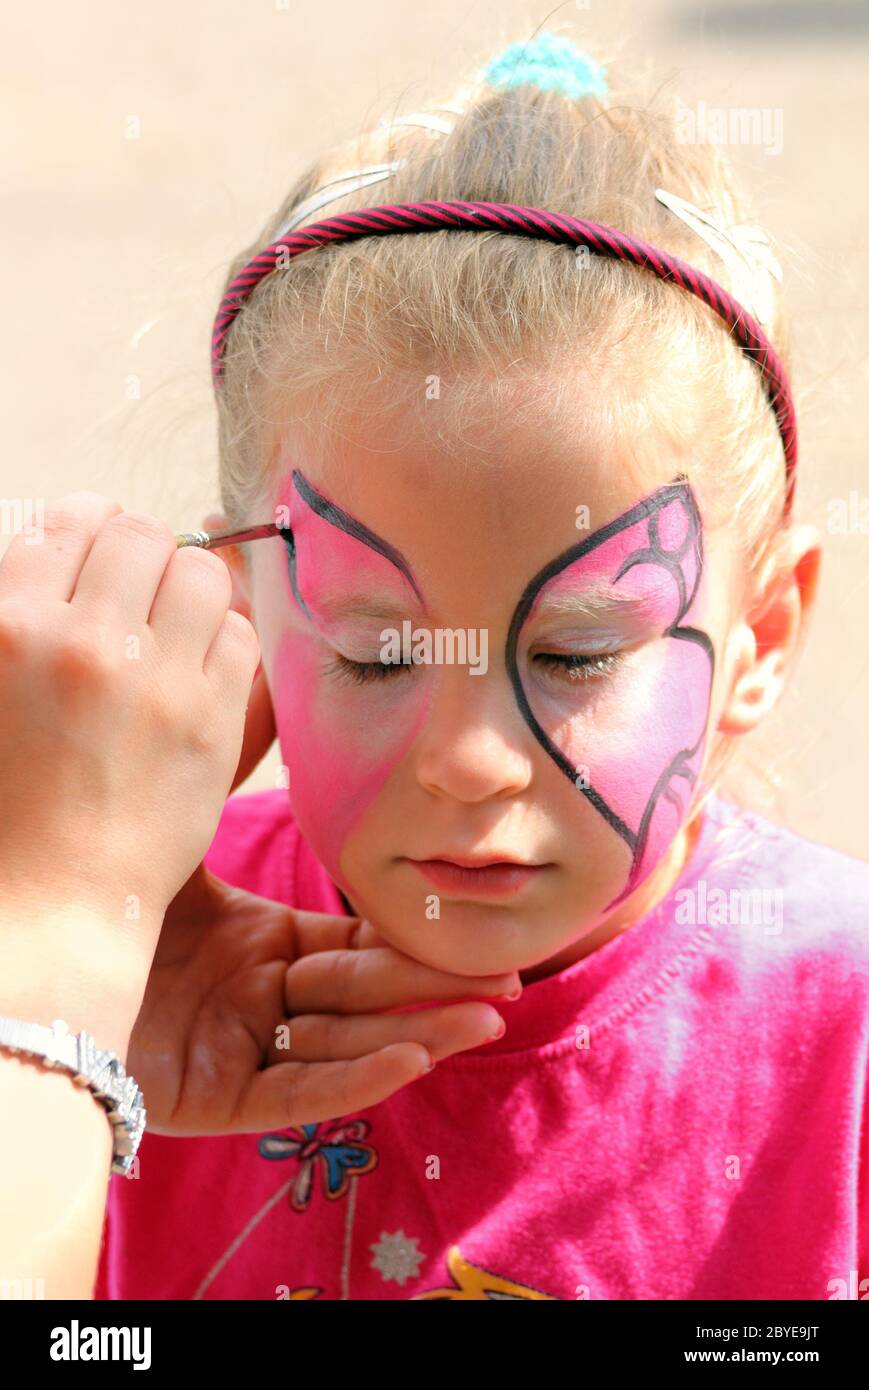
pixel 486 311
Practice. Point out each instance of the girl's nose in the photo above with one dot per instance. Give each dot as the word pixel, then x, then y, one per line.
pixel 471 746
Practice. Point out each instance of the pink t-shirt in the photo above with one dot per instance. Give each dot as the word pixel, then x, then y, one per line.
pixel 680 1115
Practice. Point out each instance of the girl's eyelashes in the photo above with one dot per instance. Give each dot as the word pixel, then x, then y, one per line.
pixel 566 667
pixel 574 667
pixel 363 672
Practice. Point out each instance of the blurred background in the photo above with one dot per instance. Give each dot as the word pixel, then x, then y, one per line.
pixel 142 145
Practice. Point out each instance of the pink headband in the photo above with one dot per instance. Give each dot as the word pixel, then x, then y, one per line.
pixel 521 221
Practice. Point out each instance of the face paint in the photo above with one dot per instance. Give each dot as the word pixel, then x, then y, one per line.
pixel 631 741
pixel 340 740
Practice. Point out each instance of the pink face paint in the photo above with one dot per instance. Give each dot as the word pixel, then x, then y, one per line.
pixel 636 755
pixel 340 740
pixel 638 734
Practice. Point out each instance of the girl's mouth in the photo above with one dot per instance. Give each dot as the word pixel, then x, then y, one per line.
pixel 497 879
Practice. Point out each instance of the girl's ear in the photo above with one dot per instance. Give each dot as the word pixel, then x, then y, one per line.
pixel 216 521
pixel 766 640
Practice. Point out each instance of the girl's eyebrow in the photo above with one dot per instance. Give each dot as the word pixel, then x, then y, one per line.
pixel 368 605
pixel 591 602
pixel 597 601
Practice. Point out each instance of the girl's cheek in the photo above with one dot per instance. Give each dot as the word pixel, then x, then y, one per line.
pixel 654 781
pixel 636 750
pixel 340 742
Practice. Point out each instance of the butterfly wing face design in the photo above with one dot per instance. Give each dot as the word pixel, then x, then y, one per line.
pixel 631 742
pixel 340 741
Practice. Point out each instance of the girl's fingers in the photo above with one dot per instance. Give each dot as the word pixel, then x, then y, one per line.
pixel 48 566
pixel 299 1093
pixel 340 1037
pixel 356 982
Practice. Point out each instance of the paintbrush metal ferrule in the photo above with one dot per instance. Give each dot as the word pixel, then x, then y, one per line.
pixel 210 540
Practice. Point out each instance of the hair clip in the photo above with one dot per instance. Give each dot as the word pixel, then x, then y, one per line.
pixel 424 119
pixel 371 173
pixel 328 192
pixel 744 248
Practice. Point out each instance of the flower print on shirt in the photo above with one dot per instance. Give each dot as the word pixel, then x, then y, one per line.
pixel 336 1149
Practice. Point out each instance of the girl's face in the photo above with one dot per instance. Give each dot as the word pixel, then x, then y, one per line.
pixel 561 628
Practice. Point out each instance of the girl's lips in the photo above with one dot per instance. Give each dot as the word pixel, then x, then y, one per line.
pixel 493 880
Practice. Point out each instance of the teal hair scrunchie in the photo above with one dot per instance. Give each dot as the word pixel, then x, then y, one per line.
pixel 550 63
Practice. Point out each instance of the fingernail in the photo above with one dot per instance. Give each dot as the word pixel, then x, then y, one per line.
pixel 498 1033
pixel 431 1062
pixel 517 994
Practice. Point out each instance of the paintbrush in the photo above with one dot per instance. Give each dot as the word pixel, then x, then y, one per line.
pixel 209 540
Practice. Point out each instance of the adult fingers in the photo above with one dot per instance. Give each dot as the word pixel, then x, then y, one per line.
pixel 259 729
pixel 379 978
pixel 299 1093
pixel 191 604
pixel 124 567
pixel 47 563
pixel 335 1037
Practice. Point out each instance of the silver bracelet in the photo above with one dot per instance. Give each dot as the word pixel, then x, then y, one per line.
pixel 102 1072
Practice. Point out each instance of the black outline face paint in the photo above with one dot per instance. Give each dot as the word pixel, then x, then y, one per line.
pixel 337 517
pixel 340 742
pixel 681 562
pixel 649 551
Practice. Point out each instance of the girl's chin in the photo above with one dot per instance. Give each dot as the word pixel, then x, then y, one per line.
pixel 475 944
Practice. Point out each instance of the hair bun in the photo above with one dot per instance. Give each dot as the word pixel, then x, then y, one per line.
pixel 550 63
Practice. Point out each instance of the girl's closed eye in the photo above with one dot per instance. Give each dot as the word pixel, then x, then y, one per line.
pixel 569 667
pixel 343 668
pixel 575 666
pixel 585 657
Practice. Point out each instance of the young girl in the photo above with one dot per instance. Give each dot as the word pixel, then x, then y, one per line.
pixel 555 483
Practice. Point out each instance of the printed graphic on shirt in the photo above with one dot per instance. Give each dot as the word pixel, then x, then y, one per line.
pixel 326 1157
pixel 397 1257
pixel 333 1150
pixel 471 1281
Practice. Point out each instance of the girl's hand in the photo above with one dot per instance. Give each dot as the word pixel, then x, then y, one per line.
pixel 124 676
